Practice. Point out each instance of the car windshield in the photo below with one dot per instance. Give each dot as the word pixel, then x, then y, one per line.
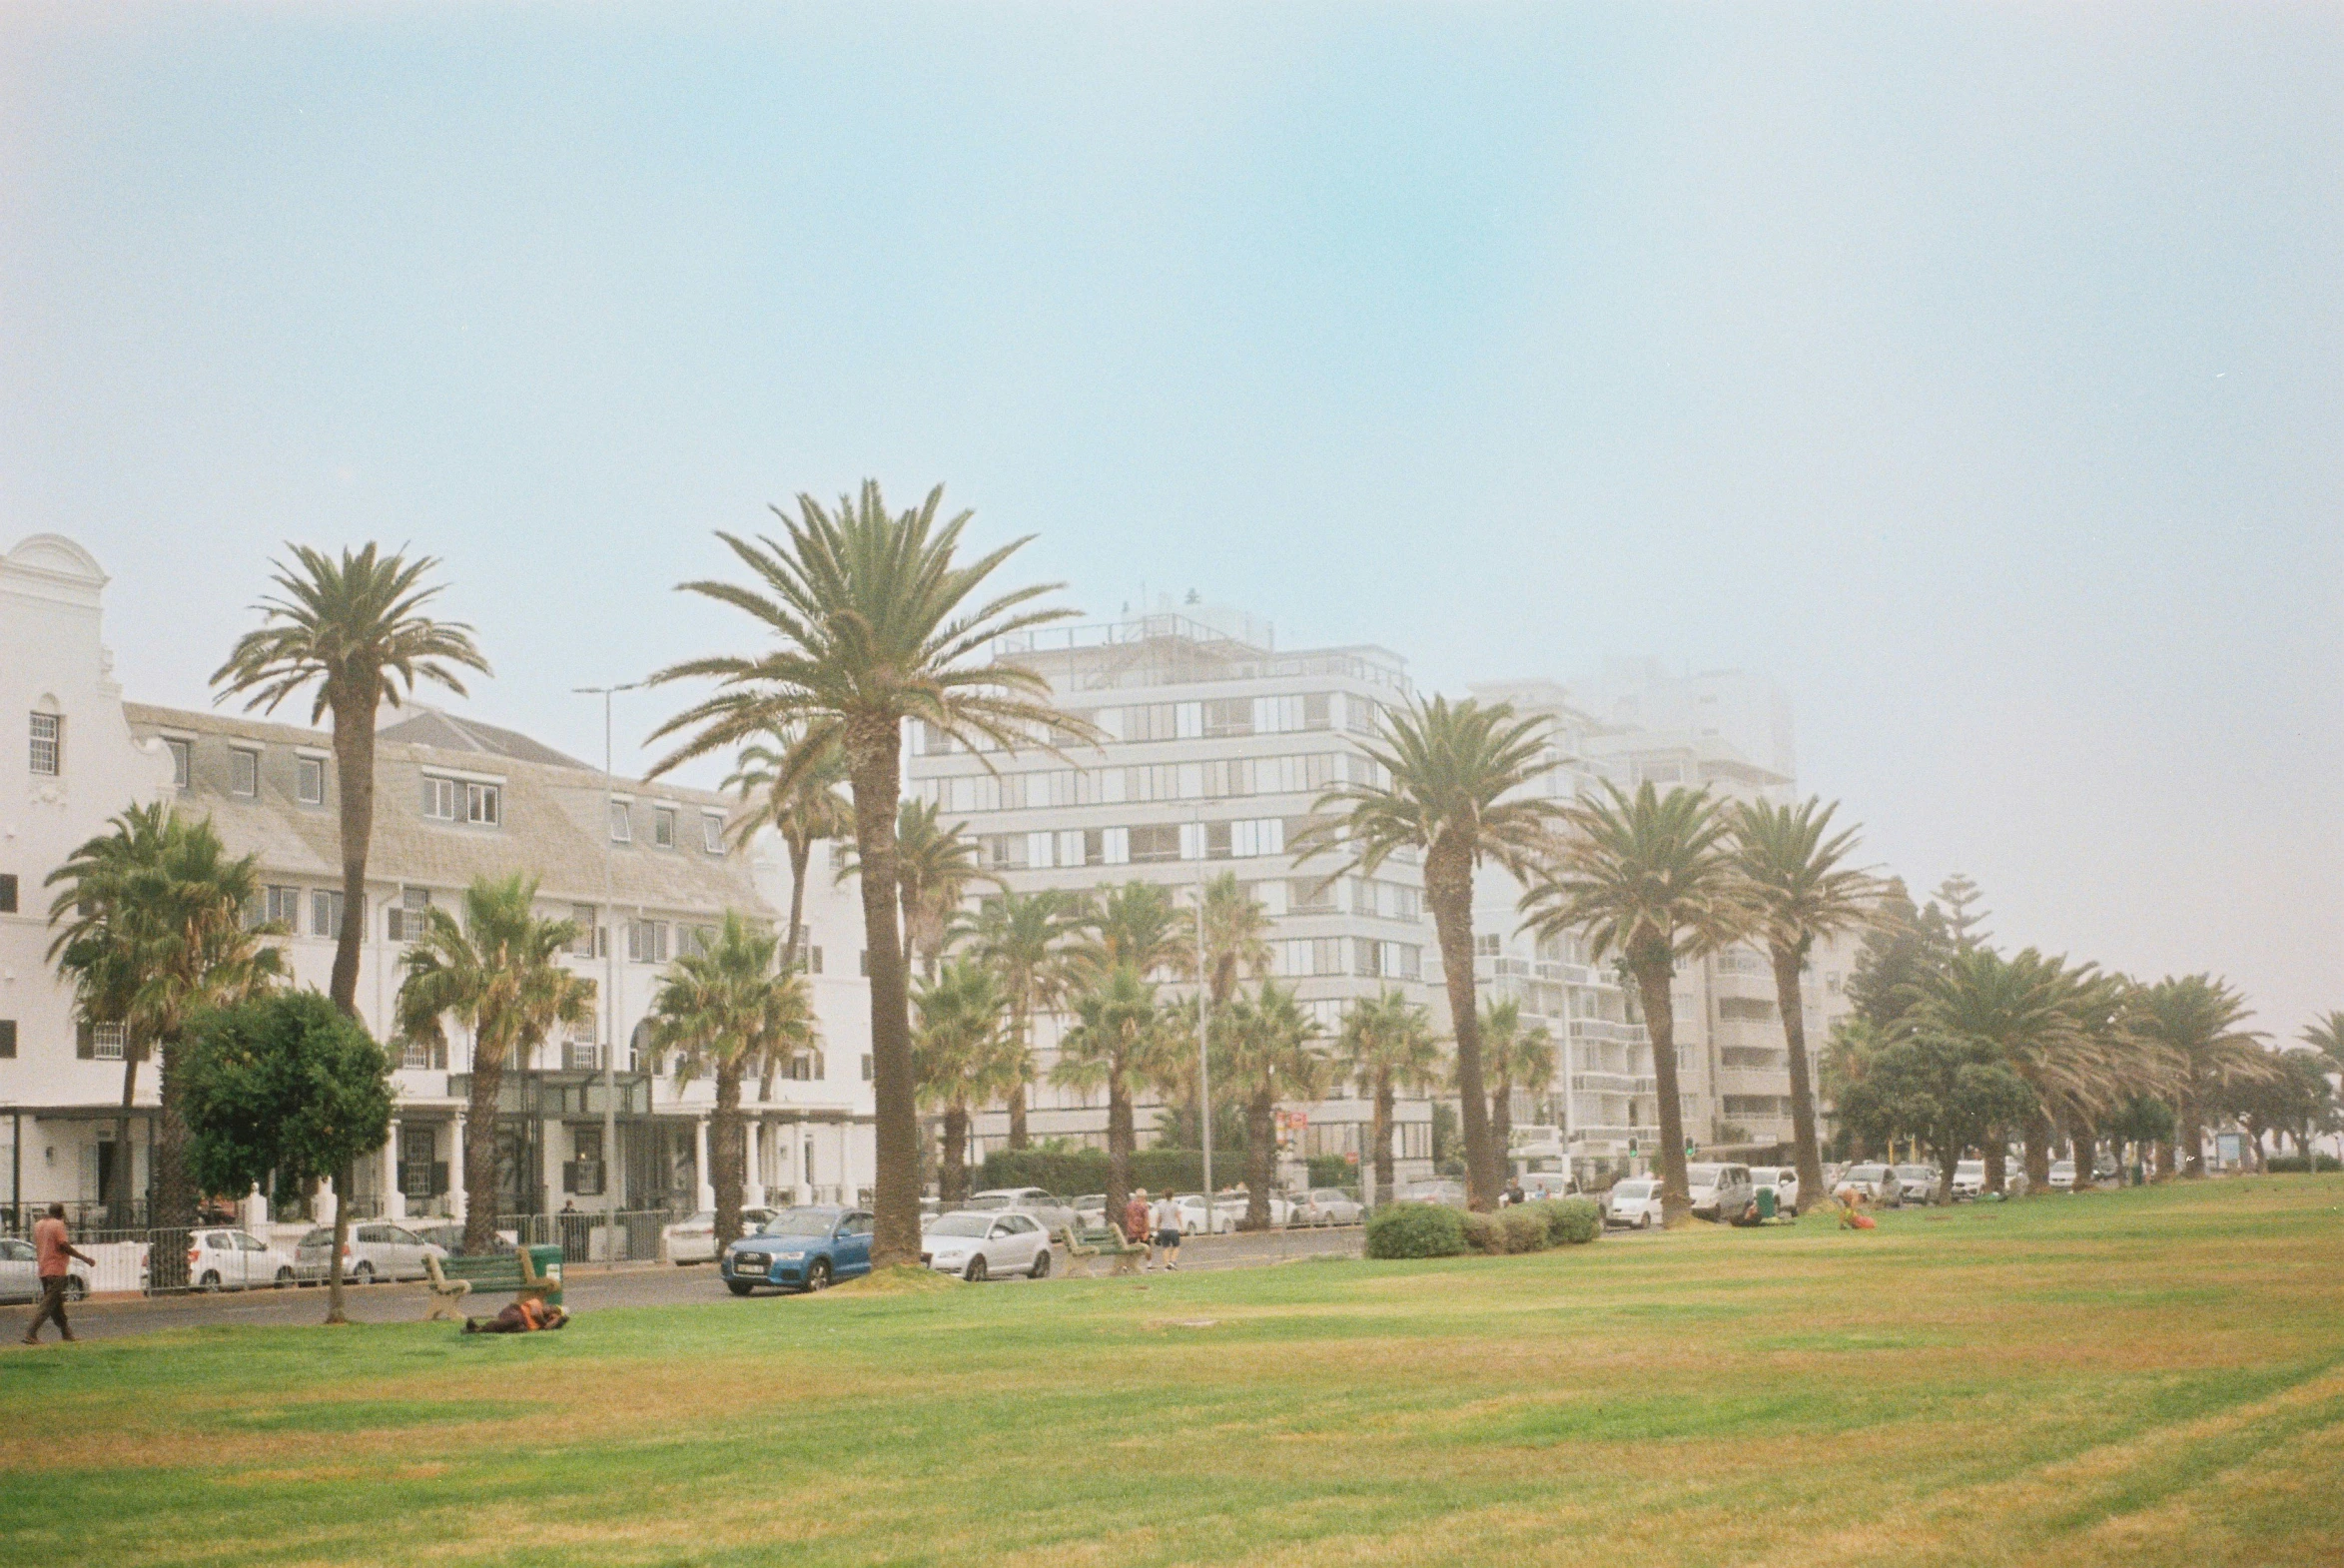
pixel 1702 1176
pixel 961 1225
pixel 1916 1172
pixel 988 1201
pixel 1633 1189
pixel 1970 1168
pixel 318 1237
pixel 1866 1172
pixel 799 1222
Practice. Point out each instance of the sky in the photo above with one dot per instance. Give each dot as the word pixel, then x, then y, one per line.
pixel 1975 371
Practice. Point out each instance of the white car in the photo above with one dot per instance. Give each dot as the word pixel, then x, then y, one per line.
pixel 1054 1212
pixel 1720 1191
pixel 1633 1202
pixel 1968 1178
pixel 20 1273
pixel 1327 1205
pixel 1919 1183
pixel 2064 1176
pixel 1191 1208
pixel 693 1240
pixel 1281 1207
pixel 377 1251
pixel 228 1260
pixel 977 1243
pixel 1784 1179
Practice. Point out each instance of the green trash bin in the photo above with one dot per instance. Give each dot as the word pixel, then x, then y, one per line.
pixel 546 1260
pixel 1766 1203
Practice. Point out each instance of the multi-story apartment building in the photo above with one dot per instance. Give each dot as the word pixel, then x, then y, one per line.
pixel 1214 748
pixel 645 870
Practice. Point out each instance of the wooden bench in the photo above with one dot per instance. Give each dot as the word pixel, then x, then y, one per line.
pixel 512 1273
pixel 1107 1241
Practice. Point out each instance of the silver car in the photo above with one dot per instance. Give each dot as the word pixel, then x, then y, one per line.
pixel 1327 1205
pixel 1448 1193
pixel 978 1244
pixel 1721 1191
pixel 1054 1212
pixel 1633 1202
pixel 20 1273
pixel 377 1251
pixel 1918 1183
pixel 1876 1184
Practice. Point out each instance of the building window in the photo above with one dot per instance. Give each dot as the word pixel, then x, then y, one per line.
pixel 406 920
pixel 866 1059
pixel 309 781
pixel 284 908
pixel 484 804
pixel 326 912
pixel 588 942
pixel 440 799
pixel 7 1039
pixel 106 1042
pixel 622 824
pixel 243 772
pixel 663 827
pixel 646 941
pixel 8 894
pixel 48 744
pixel 712 833
pixel 181 756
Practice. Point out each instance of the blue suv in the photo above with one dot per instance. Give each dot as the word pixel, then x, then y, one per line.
pixel 800 1249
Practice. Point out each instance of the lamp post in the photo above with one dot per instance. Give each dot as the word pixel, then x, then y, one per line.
pixel 600 937
pixel 1203 1032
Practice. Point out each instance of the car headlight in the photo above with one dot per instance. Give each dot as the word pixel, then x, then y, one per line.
pixel 794 1254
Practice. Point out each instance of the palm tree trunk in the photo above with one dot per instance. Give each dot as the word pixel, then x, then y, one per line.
pixel 1806 1148
pixel 1020 1025
pixel 479 1152
pixel 726 1154
pixel 1660 1022
pixel 353 768
pixel 800 856
pixel 1501 1112
pixel 876 772
pixel 1448 888
pixel 1119 1144
pixel 1382 1135
pixel 1996 1163
pixel 1947 1159
pixel 1261 1157
pixel 118 1209
pixel 2038 1137
pixel 175 1189
pixel 952 1161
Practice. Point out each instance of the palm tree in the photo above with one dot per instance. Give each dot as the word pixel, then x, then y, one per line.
pixel 1651 878
pixel 1116 1043
pixel 933 866
pixel 872 625
pixel 1023 938
pixel 2325 1035
pixel 1790 861
pixel 1135 925
pixel 804 807
pixel 499 974
pixel 2197 1019
pixel 1235 947
pixel 1387 1048
pixel 966 1057
pixel 2017 1013
pixel 159 930
pixel 1266 1051
pixel 727 1012
pixel 1448 772
pixel 1516 1056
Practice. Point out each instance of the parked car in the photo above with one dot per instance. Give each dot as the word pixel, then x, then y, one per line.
pixel 1968 1179
pixel 230 1260
pixel 1878 1184
pixel 1918 1183
pixel 376 1251
pixel 1540 1185
pixel 1327 1205
pixel 1720 1191
pixel 2064 1176
pixel 693 1240
pixel 1785 1182
pixel 1089 1211
pixel 977 1243
pixel 1434 1190
pixel 1193 1214
pixel 20 1273
pixel 1633 1202
pixel 1053 1211
pixel 450 1238
pixel 800 1249
pixel 1238 1199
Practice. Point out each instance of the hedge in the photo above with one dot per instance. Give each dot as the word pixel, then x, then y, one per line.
pixel 1482 1233
pixel 1071 1172
pixel 1570 1221
pixel 1524 1232
pixel 1435 1230
pixel 2297 1164
pixel 1415 1230
pixel 1332 1171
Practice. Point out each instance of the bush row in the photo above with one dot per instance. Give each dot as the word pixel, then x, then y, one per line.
pixel 1434 1230
pixel 1071 1172
pixel 2297 1164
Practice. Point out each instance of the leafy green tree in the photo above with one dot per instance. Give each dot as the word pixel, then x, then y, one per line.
pixel 155 929
pixel 500 975
pixel 872 624
pixel 795 792
pixel 283 1087
pixel 1803 890
pixel 1518 1056
pixel 1953 911
pixel 1453 792
pixel 1652 878
pixel 966 1057
pixel 1117 1041
pixel 1902 952
pixel 1026 939
pixel 727 1012
pixel 2143 1121
pixel 1388 1049
pixel 2199 1021
pixel 1949 1092
pixel 1265 1049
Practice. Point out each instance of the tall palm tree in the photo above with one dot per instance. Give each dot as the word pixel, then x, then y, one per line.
pixel 1451 774
pixel 966 1057
pixel 804 808
pixel 872 624
pixel 1135 925
pixel 1517 1057
pixel 1235 947
pixel 1651 878
pixel 1265 1049
pixel 725 1011
pixel 934 865
pixel 500 975
pixel 155 927
pixel 1023 938
pixel 1388 1049
pixel 1115 1043
pixel 2325 1035
pixel 2198 1019
pixel 2017 1012
pixel 1801 892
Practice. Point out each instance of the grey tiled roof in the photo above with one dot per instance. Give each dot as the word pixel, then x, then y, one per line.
pixel 553 814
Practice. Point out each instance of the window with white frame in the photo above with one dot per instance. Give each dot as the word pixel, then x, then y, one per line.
pixel 404 922
pixel 243 772
pixel 324 913
pixel 182 758
pixel 283 907
pixel 484 804
pixel 440 799
pixel 48 736
pixel 646 941
pixel 622 823
pixel 309 781
pixel 712 833
pixel 663 827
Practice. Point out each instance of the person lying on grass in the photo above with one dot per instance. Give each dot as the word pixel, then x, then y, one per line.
pixel 520 1317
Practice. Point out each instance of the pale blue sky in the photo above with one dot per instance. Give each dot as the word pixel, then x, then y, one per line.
pixel 1975 371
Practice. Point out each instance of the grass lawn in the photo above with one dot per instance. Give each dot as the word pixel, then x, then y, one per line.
pixel 2138 1379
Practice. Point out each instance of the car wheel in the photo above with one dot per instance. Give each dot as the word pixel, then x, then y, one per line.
pixel 737 1288
pixel 365 1274
pixel 74 1288
pixel 975 1273
pixel 1643 1221
pixel 285 1278
pixel 210 1279
pixel 1040 1268
pixel 818 1276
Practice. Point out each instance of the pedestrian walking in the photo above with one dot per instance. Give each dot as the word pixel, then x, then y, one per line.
pixel 1168 1230
pixel 50 1239
pixel 1135 1224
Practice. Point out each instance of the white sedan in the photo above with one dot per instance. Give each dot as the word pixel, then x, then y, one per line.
pixel 1192 1218
pixel 1281 1207
pixel 977 1245
pixel 20 1278
pixel 223 1260
pixel 377 1251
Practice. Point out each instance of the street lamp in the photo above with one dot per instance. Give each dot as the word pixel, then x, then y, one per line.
pixel 601 937
pixel 1203 1031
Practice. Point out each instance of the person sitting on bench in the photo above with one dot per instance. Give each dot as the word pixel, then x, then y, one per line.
pixel 525 1316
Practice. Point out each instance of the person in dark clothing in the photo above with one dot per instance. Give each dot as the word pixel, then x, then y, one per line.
pixel 49 1238
pixel 525 1316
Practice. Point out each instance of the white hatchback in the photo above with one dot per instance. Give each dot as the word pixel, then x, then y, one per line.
pixel 20 1280
pixel 225 1259
pixel 377 1251
pixel 977 1245
pixel 1634 1203
pixel 1784 1179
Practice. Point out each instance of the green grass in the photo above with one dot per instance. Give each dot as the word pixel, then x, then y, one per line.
pixel 2136 1379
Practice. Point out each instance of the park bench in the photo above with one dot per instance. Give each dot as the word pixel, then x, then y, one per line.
pixel 512 1273
pixel 1106 1241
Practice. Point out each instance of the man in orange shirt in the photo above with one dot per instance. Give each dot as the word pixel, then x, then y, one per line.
pixel 50 1239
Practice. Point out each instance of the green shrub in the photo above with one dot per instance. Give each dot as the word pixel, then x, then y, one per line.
pixel 1070 1172
pixel 1570 1221
pixel 2295 1165
pixel 1483 1232
pixel 1332 1171
pixel 1415 1230
pixel 1523 1231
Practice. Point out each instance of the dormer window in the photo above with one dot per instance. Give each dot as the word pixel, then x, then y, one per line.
pixel 461 800
pixel 622 823
pixel 712 833
pixel 484 805
pixel 663 827
pixel 182 759
pixel 309 781
pixel 244 773
pixel 440 799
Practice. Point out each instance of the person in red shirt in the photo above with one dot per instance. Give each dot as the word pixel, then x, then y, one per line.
pixel 50 1240
pixel 1135 1223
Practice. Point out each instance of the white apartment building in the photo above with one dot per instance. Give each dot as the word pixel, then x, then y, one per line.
pixel 644 868
pixel 1214 748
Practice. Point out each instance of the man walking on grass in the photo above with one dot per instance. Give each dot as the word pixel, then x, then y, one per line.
pixel 50 1240
pixel 1168 1230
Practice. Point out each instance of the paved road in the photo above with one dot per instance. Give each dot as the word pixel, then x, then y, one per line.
pixel 584 1290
